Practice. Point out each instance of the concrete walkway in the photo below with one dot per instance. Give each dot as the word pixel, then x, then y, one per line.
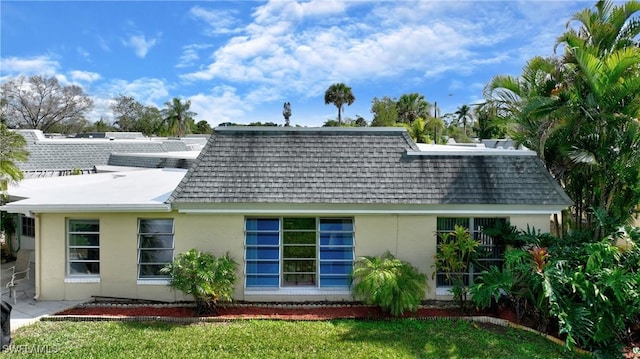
pixel 26 310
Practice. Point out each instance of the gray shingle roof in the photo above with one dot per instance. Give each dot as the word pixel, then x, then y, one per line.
pixel 84 154
pixel 356 166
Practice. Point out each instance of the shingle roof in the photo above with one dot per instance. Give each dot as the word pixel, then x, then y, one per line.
pixel 356 166
pixel 84 154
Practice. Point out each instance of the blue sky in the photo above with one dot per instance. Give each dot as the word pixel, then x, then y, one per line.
pixel 239 61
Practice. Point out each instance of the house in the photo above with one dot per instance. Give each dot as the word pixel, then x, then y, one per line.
pixel 53 156
pixel 293 206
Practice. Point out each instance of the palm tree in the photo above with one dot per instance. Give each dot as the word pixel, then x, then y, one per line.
pixel 606 29
pixel 178 117
pixel 12 150
pixel 411 106
pixel 417 131
pixel 464 116
pixel 339 94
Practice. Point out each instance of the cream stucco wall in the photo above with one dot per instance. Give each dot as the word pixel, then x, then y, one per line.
pixel 408 237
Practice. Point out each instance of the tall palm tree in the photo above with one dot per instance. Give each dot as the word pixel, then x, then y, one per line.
pixel 12 150
pixel 178 117
pixel 339 94
pixel 464 115
pixel 411 106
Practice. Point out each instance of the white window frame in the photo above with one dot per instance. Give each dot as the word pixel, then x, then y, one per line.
pixel 159 279
pixel 81 277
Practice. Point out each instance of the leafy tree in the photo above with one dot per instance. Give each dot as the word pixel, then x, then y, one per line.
pixel 411 106
pixel 102 126
pixel 202 127
pixel 339 94
pixel 41 102
pixel 178 117
pixel 209 279
pixel 150 122
pixel 394 285
pixel 385 112
pixel 360 122
pixel 127 112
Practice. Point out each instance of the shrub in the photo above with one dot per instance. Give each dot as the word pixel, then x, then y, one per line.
pixel 393 285
pixel 207 278
pixel 454 254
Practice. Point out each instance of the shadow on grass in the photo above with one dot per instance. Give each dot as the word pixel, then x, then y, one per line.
pixel 447 338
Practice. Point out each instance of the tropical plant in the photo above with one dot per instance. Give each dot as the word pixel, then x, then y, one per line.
pixel 411 107
pixel 417 130
pixel 178 117
pixel 590 288
pixel 464 115
pixel 207 278
pixel 339 94
pixel 455 252
pixel 394 285
pixel 12 150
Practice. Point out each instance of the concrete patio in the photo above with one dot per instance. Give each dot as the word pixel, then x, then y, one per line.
pixel 27 310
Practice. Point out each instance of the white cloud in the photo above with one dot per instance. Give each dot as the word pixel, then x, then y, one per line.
pixel 38 65
pixel 140 44
pixel 191 55
pixel 84 76
pixel 219 21
pixel 222 104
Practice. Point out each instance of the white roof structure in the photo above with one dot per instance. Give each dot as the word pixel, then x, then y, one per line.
pixel 141 190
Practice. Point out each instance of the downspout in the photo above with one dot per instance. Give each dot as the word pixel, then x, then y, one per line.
pixel 38 239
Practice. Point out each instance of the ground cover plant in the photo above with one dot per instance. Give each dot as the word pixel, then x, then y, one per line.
pixel 404 338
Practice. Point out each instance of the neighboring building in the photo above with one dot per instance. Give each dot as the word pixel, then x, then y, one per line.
pixel 64 156
pixel 293 206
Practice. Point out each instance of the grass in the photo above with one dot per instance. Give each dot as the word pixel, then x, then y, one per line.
pixel 279 339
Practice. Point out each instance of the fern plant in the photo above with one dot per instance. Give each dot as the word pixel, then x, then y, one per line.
pixel 205 277
pixel 392 284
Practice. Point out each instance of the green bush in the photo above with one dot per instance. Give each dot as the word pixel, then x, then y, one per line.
pixel 591 288
pixel 393 285
pixel 454 255
pixel 207 278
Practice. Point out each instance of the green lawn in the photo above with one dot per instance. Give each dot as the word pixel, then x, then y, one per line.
pixel 280 339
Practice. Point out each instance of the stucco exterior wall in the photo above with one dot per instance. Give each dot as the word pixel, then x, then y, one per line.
pixel 408 237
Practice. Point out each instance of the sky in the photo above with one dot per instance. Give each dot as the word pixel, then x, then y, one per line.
pixel 240 61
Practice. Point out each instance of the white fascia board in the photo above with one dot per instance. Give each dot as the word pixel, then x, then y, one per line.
pixel 338 211
pixel 471 152
pixel 53 208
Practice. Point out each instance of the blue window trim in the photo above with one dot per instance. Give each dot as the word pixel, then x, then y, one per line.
pixel 267 271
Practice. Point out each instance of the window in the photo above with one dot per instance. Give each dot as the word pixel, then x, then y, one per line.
pixel 83 247
pixel 489 252
pixel 155 247
pixel 298 252
pixel 28 226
